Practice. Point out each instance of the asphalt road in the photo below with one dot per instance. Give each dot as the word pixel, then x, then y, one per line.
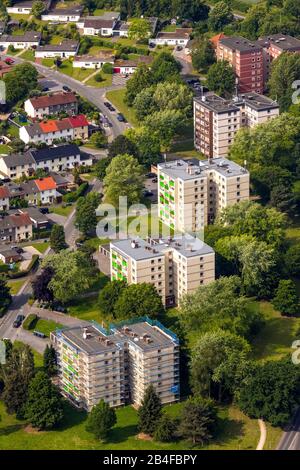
pixel 291 438
pixel 94 95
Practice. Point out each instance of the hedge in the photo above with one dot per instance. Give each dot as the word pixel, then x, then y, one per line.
pixel 37 234
pixel 4 268
pixel 30 322
pixel 33 263
pixel 74 195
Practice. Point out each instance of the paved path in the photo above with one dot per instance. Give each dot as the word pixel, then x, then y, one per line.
pixel 291 437
pixel 263 435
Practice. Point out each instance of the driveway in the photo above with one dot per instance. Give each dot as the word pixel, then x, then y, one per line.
pixel 56 218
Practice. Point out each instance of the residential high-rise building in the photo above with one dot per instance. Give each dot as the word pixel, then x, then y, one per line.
pixel 117 365
pixel 198 189
pixel 216 120
pixel 175 266
pixel 275 45
pixel 246 58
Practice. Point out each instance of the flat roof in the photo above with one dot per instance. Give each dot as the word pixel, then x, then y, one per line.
pixel 257 101
pixel 216 103
pixel 144 335
pixel 140 249
pixel 284 42
pixel 240 44
pixel 95 343
pixel 191 169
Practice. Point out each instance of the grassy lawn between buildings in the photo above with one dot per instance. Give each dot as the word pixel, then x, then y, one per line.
pixel 117 98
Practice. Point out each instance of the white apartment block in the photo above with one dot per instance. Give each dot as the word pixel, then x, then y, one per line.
pixel 175 266
pixel 192 193
pixel 216 120
pixel 118 364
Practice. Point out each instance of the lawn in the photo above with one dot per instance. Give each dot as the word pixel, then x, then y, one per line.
pixel 86 308
pixel 15 285
pixel 96 242
pixel 48 62
pixel 4 149
pixel 46 326
pixel 293 234
pixel 40 246
pixel 235 431
pixel 107 80
pixel 117 99
pixel 276 337
pixel 28 55
pixel 13 131
pixel 62 210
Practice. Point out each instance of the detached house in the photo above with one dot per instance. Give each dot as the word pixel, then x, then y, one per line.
pixel 64 15
pixel 67 48
pixel 70 128
pixel 93 62
pixel 180 37
pixel 24 41
pixel 99 25
pixel 15 227
pixel 40 106
pixel 130 66
pixel 25 7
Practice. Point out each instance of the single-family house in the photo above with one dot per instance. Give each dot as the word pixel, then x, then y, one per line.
pixel 4 198
pixel 30 39
pixel 47 189
pixel 24 7
pixel 129 66
pixel 40 221
pixel 179 37
pixel 93 62
pixel 9 255
pixel 16 165
pixel 71 128
pixel 64 15
pixel 15 227
pixel 67 48
pixel 54 103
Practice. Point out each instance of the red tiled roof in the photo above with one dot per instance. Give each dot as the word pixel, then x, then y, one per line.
pixel 18 220
pixel 48 126
pixel 78 121
pixel 4 192
pixel 53 100
pixel 45 184
pixel 215 39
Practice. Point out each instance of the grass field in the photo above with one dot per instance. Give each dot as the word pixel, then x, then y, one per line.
pixel 46 326
pixel 235 431
pixel 15 285
pixel 62 210
pixel 107 80
pixel 4 148
pixel 117 99
pixel 28 55
pixel 40 246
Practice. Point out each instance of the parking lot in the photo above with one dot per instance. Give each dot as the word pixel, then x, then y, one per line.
pixel 151 185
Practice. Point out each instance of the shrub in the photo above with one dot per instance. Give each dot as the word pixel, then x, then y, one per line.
pixel 33 263
pixel 107 68
pixel 30 322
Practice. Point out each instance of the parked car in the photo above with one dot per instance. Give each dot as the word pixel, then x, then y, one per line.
pixel 150 175
pixel 39 334
pixel 19 250
pixel 120 117
pixel 18 321
pixel 66 88
pixel 106 103
pixel 154 180
pixel 9 61
pixel 45 88
pixel 147 193
pixel 44 210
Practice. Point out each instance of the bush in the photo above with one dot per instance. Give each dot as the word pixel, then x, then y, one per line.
pixel 74 195
pixel 107 68
pixel 38 234
pixel 165 429
pixel 99 78
pixel 33 263
pixel 30 322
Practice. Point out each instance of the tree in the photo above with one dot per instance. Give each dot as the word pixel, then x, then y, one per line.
pixel 139 28
pixel 271 392
pixel 254 20
pixel 165 429
pixel 194 10
pixel 249 218
pixel 285 71
pixel 20 81
pixel 198 420
pixel 100 167
pixel 108 68
pixel 50 360
pixel 73 274
pixel 17 145
pixel 220 305
pixel 264 179
pixel 38 8
pixel 5 297
pixel 220 16
pixel 142 78
pixel 221 78
pixel 18 372
pixel 150 411
pixel 123 178
pixel 144 103
pixel 292 7
pixel 122 145
pixel 44 405
pixel 147 144
pixel 203 54
pixel 137 300
pixel 175 97
pixel 283 199
pixel 165 67
pixel 85 219
pixel 109 295
pixel 100 420
pixel 292 260
pixel 286 299
pixel 164 124
pixel 98 139
pixel 57 238
pixel 40 286
pixel 218 359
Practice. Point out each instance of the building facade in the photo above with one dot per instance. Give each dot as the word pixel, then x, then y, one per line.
pixel 117 365
pixel 175 266
pixel 246 58
pixel 192 193
pixel 47 105
pixel 275 45
pixel 216 120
